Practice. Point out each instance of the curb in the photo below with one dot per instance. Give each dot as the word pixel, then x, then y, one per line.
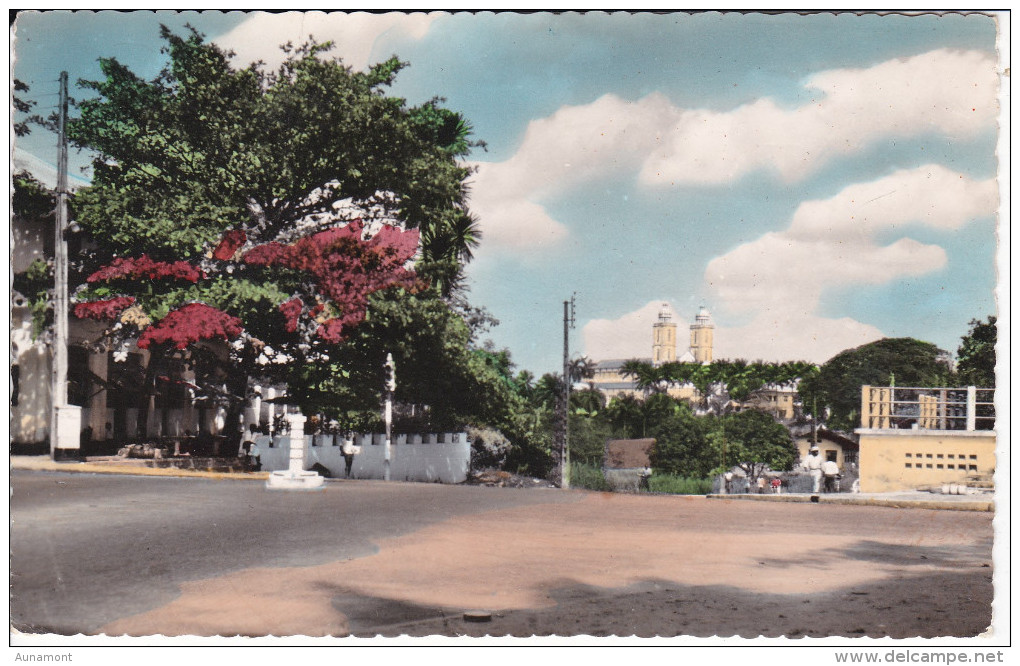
pixel 943 505
pixel 133 470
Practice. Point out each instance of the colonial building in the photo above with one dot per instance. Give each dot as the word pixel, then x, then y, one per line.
pixel 104 382
pixel 609 377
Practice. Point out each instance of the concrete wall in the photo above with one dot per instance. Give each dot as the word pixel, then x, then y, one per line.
pixel 892 460
pixel 434 458
pixel 623 480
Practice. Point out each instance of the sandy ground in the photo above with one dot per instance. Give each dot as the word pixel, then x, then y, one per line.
pixel 624 565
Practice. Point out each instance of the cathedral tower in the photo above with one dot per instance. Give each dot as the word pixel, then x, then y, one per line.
pixel 701 336
pixel 663 337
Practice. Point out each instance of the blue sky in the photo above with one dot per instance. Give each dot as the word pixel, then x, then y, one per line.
pixel 818 182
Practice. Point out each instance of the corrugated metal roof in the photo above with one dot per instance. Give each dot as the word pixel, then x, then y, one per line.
pixel 629 453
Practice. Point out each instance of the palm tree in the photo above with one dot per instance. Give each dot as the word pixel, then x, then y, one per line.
pixel 625 415
pixel 548 390
pixel 581 368
pixel 648 377
pixel 589 401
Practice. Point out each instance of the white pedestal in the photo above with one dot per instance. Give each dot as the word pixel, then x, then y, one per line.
pixel 295 478
pixel 294 481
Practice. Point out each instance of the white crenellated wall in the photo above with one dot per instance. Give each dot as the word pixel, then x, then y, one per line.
pixel 444 458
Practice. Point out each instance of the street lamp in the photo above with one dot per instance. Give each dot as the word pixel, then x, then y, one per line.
pixel 391 386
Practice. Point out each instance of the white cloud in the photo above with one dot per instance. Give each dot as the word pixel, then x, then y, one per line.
pixel 770 336
pixel 574 145
pixel 354 34
pixel 835 242
pixel 629 336
pixel 857 237
pixel 778 337
pixel 949 92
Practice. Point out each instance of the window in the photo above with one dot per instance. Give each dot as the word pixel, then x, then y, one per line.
pixel 907 465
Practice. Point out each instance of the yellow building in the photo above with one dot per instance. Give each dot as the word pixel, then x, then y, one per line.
pixel 701 336
pixel 913 438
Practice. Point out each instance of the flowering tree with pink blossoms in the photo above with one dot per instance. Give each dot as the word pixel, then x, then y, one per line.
pixel 248 221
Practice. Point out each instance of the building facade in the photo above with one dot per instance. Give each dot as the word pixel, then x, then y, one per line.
pixel 608 375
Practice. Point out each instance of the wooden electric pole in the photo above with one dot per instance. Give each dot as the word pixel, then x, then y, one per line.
pixel 64 434
pixel 568 323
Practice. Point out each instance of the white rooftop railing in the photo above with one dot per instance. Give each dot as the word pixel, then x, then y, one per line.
pixel 916 408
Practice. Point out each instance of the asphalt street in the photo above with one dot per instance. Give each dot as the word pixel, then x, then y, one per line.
pixel 130 555
pixel 88 549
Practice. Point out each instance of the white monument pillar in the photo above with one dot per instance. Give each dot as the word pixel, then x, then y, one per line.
pixel 295 477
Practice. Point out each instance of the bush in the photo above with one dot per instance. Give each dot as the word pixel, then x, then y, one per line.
pixel 584 475
pixel 489 447
pixel 679 485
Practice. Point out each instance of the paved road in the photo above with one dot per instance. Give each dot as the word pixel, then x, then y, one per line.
pixel 143 555
pixel 88 549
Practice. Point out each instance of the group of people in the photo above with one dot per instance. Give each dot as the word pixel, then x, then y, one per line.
pixel 820 470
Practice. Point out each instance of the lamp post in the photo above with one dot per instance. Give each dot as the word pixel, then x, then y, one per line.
pixel 391 386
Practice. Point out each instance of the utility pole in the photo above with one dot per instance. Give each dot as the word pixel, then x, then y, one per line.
pixel 65 420
pixel 568 323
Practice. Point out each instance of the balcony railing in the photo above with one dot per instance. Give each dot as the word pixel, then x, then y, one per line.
pixel 904 407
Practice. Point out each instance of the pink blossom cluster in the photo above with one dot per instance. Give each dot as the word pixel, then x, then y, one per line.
pixel 229 244
pixel 101 310
pixel 134 268
pixel 346 270
pixel 189 324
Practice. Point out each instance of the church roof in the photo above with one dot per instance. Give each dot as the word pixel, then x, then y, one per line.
pixel 615 385
pixel 617 363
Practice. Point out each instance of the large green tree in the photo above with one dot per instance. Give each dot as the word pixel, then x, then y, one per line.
pixel 682 444
pixel 739 377
pixel 265 208
pixel 900 361
pixel 754 441
pixel 976 354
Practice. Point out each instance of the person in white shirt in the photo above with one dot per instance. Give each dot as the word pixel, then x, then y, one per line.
pixel 830 470
pixel 813 464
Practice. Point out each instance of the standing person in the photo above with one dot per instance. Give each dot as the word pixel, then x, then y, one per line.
pixel 349 450
pixel 255 454
pixel 831 472
pixel 813 464
pixel 248 444
pixel 761 485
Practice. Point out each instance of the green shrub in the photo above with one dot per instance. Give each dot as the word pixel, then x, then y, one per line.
pixel 679 485
pixel 584 475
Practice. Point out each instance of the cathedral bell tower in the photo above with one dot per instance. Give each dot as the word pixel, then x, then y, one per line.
pixel 701 336
pixel 664 337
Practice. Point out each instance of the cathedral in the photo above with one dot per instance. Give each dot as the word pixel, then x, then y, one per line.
pixel 612 383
